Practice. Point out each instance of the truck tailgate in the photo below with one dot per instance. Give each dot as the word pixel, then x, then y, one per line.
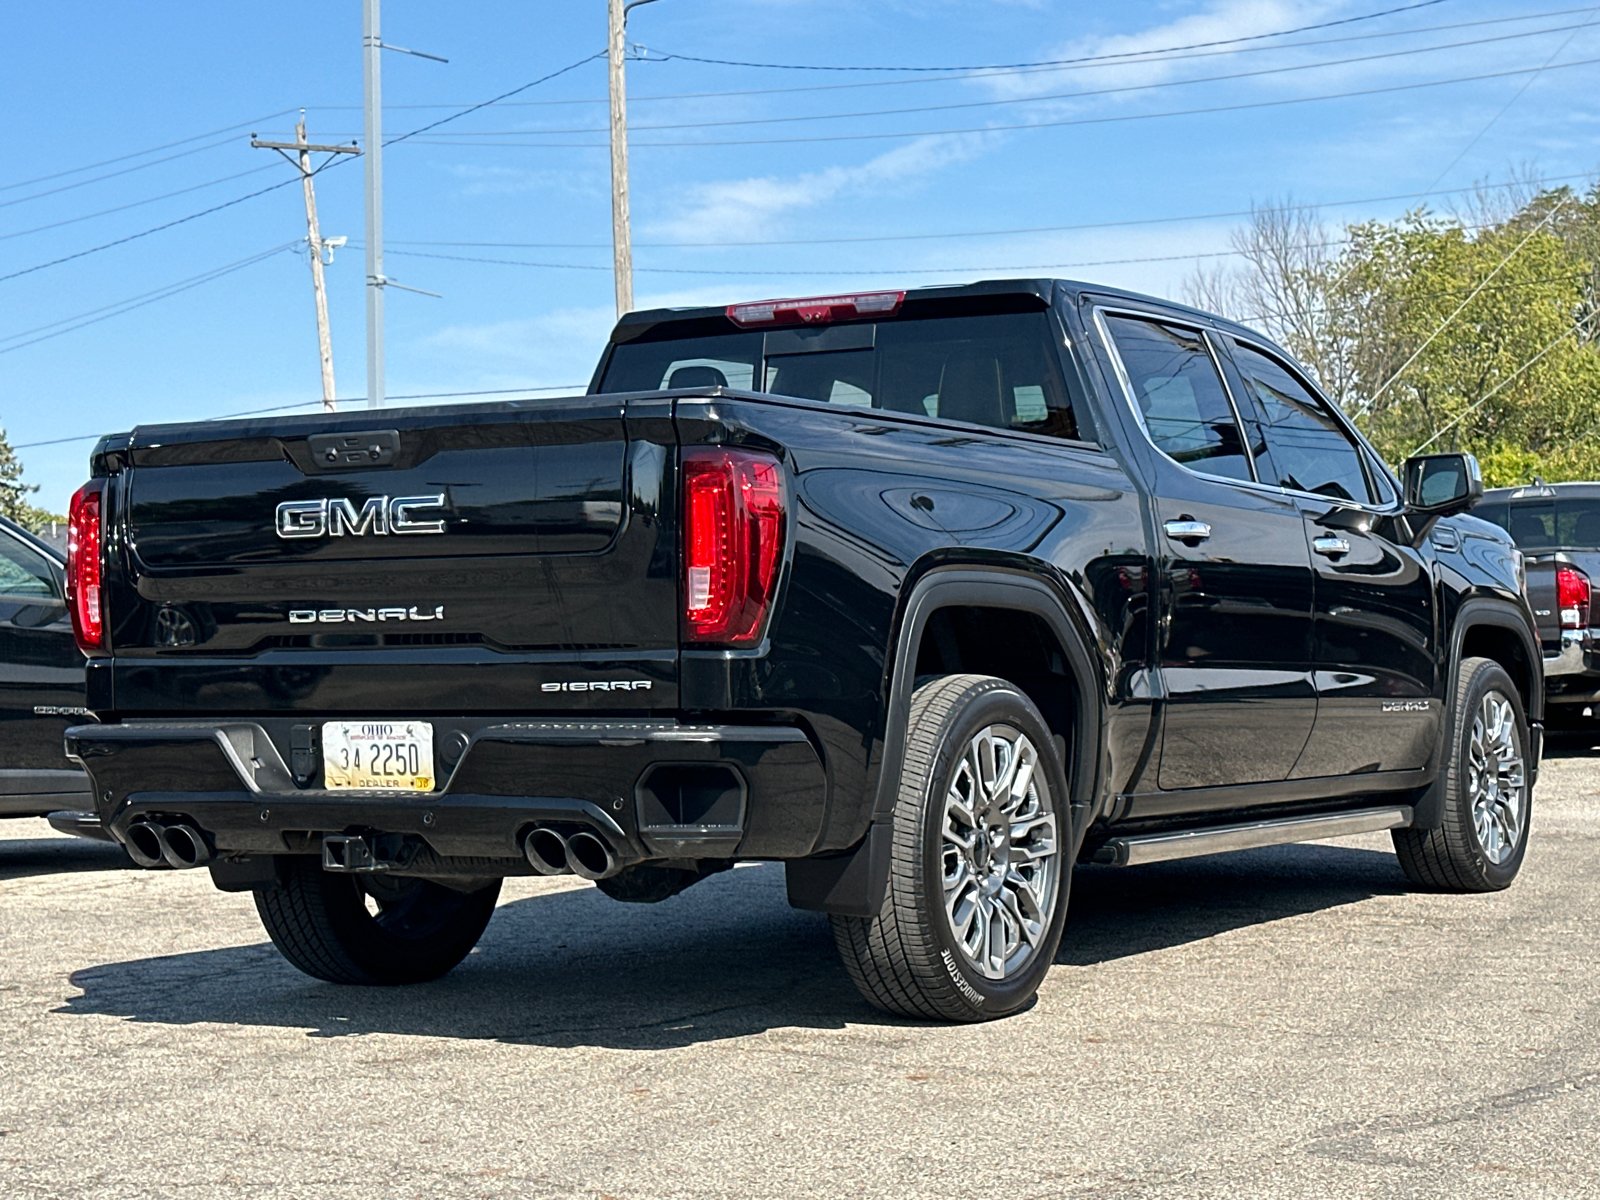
pixel 323 563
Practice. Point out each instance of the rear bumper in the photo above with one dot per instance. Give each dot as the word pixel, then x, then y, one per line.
pixel 1579 654
pixel 651 789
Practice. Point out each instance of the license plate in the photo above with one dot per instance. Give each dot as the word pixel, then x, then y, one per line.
pixel 387 755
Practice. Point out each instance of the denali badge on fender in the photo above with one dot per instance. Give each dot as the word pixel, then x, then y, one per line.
pixel 380 515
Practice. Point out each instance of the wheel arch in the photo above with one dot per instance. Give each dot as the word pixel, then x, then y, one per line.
pixel 1497 630
pixel 940 630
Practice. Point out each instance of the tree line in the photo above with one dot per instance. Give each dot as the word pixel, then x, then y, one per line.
pixel 1476 330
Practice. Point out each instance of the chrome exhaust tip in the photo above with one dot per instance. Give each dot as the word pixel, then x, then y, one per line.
pixel 589 856
pixel 546 851
pixel 144 844
pixel 184 846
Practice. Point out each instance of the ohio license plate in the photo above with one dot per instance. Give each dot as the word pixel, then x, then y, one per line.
pixel 389 755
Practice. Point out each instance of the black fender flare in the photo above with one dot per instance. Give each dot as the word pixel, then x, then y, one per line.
pixel 1474 612
pixel 854 884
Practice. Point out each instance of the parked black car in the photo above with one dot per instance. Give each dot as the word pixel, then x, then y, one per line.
pixel 1557 528
pixel 928 595
pixel 41 680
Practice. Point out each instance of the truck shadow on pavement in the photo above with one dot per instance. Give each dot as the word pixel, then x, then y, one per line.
pixel 22 857
pixel 726 959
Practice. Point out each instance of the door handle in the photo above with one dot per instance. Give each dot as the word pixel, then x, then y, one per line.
pixel 1330 545
pixel 1187 529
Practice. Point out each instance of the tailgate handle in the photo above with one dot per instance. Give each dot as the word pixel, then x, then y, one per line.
pixel 362 448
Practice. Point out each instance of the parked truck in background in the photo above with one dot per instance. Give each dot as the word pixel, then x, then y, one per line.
pixel 928 595
pixel 1557 528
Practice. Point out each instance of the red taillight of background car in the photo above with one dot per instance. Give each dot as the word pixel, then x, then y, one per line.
pixel 85 557
pixel 1572 597
pixel 734 511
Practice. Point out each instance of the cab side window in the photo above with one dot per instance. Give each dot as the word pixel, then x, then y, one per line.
pixel 1180 396
pixel 1309 448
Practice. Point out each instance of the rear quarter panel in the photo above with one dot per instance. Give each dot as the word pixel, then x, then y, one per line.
pixel 878 500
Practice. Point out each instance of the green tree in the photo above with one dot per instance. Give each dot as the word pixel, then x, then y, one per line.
pixel 1477 332
pixel 14 493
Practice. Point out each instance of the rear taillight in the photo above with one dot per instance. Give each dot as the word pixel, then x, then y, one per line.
pixel 1572 597
pixel 733 530
pixel 85 545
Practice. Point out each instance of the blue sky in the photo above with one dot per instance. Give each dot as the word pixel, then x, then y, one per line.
pixel 90 82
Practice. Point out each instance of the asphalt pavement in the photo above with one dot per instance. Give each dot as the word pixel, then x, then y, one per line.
pixel 1277 1023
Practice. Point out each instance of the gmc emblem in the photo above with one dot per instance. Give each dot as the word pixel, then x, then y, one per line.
pixel 380 515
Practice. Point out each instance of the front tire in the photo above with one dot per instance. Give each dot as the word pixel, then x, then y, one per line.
pixel 1487 804
pixel 371 930
pixel 980 864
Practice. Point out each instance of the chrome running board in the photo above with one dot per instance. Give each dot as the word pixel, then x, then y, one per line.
pixel 1134 849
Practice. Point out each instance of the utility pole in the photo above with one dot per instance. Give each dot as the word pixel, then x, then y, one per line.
pixel 621 231
pixel 303 151
pixel 372 101
pixel 621 235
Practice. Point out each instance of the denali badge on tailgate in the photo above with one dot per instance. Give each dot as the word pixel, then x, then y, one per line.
pixel 381 515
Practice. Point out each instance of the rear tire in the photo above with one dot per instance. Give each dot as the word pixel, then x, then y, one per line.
pixel 1488 801
pixel 322 923
pixel 979 873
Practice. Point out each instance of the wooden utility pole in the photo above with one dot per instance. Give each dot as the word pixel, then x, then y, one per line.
pixel 621 237
pixel 303 151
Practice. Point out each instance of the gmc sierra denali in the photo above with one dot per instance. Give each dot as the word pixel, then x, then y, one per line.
pixel 928 595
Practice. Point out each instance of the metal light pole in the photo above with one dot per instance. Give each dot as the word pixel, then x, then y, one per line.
pixel 372 102
pixel 377 281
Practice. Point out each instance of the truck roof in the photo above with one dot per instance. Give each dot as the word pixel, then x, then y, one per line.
pixel 1004 294
pixel 1581 490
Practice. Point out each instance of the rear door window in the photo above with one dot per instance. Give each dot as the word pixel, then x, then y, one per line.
pixel 1310 450
pixel 1180 396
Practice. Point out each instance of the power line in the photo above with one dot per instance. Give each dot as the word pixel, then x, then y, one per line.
pixel 981 129
pixel 133 204
pixel 274 187
pixel 1112 91
pixel 1153 56
pixel 917 237
pixel 1497 388
pixel 123 306
pixel 147 232
pixel 6 187
pixel 495 100
pixel 724 62
pixel 1507 107
pixel 1548 217
pixel 1050 96
pixel 155 162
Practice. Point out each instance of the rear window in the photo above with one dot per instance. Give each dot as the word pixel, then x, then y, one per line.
pixel 1000 370
pixel 1547 524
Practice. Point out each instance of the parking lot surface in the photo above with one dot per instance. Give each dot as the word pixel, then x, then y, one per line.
pixel 1278 1023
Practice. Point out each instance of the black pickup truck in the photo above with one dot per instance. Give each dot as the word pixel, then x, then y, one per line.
pixel 928 595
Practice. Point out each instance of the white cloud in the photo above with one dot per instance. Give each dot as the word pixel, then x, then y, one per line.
pixel 742 209
pixel 1219 21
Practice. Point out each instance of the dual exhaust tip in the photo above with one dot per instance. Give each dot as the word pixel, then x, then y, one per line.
pixel 180 846
pixel 582 853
